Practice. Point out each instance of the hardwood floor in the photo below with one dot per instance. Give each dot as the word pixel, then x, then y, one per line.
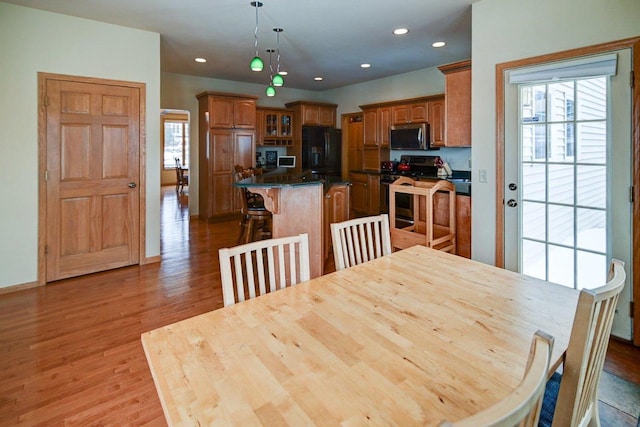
pixel 70 352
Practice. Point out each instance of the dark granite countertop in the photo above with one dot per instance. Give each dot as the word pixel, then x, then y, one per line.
pixel 284 177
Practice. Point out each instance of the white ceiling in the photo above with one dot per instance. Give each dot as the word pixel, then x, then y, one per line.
pixel 328 38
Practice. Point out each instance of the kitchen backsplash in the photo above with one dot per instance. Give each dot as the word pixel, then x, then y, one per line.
pixel 458 158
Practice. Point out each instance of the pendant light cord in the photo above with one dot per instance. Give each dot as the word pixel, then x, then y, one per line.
pixel 255 33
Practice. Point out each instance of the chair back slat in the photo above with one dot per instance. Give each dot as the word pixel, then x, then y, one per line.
pixel 360 240
pixel 577 398
pixel 245 274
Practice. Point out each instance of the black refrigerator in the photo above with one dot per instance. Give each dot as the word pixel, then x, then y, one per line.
pixel 322 150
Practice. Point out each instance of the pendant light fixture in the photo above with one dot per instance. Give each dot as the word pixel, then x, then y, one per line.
pixel 256 63
pixel 271 91
pixel 277 78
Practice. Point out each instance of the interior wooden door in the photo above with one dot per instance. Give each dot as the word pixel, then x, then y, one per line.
pixel 92 172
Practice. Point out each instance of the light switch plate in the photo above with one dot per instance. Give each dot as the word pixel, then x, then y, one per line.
pixel 482 175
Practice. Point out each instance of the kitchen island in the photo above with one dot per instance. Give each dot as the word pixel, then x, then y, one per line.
pixel 303 203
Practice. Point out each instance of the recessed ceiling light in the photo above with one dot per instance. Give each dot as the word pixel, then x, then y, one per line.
pixel 365 65
pixel 283 73
pixel 201 60
pixel 400 31
pixel 438 44
pixel 318 79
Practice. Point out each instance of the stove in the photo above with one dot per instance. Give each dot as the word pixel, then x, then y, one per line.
pixel 420 167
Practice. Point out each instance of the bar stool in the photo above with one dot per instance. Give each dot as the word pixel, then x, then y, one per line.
pixel 256 219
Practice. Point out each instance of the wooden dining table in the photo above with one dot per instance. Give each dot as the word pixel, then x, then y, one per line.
pixel 411 338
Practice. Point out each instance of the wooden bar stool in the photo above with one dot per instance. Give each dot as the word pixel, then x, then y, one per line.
pixel 256 219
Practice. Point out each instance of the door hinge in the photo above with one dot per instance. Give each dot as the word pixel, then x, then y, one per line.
pixel 46 249
pixel 631 196
pixel 631 308
pixel 46 101
pixel 46 175
pixel 631 78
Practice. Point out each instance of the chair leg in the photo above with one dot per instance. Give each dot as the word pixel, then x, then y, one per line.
pixel 243 230
pixel 251 229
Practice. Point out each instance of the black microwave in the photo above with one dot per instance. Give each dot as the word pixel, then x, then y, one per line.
pixel 413 136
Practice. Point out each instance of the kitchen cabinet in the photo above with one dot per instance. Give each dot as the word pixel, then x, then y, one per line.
pixel 463 225
pixel 365 194
pixel 275 127
pixel 436 121
pixel 314 113
pixel 227 138
pixel 336 209
pixel 229 112
pixel 457 103
pixel 353 141
pixel 410 113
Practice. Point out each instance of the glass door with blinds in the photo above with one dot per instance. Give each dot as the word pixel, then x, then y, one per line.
pixel 568 174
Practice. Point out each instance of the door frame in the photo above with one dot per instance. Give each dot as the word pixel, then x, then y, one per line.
pixel 42 163
pixel 630 43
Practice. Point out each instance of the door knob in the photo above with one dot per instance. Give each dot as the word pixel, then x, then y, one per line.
pixel 513 186
pixel 132 185
pixel 512 203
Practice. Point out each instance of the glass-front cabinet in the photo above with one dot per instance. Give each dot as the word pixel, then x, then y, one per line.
pixel 275 127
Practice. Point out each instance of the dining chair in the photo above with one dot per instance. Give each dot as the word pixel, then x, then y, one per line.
pixel 360 240
pixel 256 219
pixel 571 398
pixel 264 266
pixel 182 178
pixel 522 406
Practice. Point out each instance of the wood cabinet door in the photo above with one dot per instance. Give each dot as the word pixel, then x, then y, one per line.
pixel 370 128
pixel 260 126
pixel 336 209
pixel 436 123
pixel 384 123
pixel 463 226
pixel 221 199
pixel 244 113
pixel 400 114
pixel 458 109
pixel 221 112
pixel 310 115
pixel 359 194
pixel 373 198
pixel 326 116
pixel 418 112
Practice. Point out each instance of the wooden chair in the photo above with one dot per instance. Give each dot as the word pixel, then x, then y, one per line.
pixel 256 219
pixel 360 240
pixel 182 178
pixel 574 392
pixel 522 406
pixel 263 266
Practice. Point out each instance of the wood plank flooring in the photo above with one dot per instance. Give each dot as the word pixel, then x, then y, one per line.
pixel 70 352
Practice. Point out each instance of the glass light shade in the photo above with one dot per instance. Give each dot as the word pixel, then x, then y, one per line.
pixel 277 80
pixel 271 91
pixel 256 64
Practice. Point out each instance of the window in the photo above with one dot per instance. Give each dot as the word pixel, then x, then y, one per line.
pixel 175 139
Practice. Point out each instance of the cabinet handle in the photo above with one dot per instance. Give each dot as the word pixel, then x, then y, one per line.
pixel 327 196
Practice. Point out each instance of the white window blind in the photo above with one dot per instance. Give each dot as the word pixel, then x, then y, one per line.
pixel 593 66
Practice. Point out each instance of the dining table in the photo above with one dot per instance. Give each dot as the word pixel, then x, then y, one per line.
pixel 412 338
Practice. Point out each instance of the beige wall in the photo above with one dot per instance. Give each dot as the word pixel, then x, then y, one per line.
pixel 33 41
pixel 507 30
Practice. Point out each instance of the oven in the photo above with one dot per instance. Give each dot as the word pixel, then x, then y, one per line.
pixel 404 202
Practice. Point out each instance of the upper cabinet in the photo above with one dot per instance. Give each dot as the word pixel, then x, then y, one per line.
pixel 314 113
pixel 436 121
pixel 274 126
pixel 230 111
pixel 457 103
pixel 410 113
